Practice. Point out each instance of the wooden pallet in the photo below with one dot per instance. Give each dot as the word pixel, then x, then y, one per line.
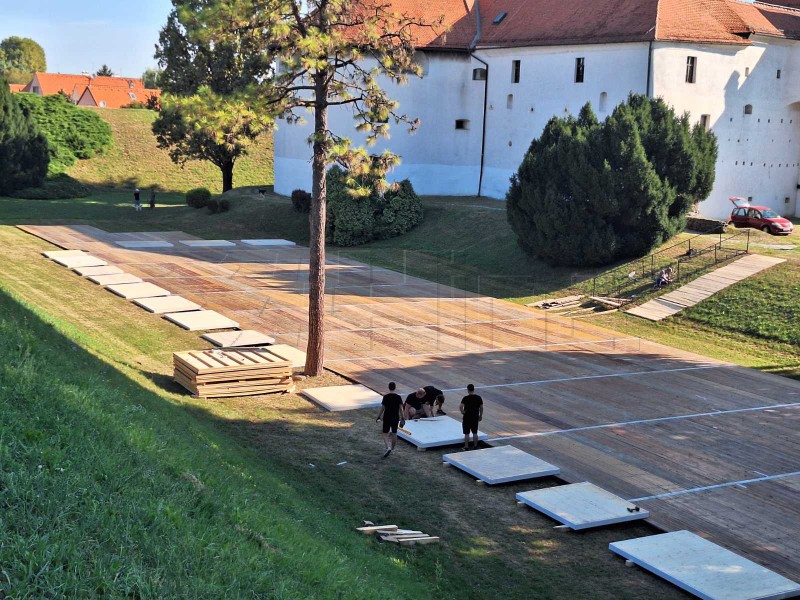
pixel 232 372
pixel 394 535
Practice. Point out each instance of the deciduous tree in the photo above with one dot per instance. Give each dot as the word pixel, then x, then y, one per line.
pixel 20 58
pixel 331 53
pixel 590 193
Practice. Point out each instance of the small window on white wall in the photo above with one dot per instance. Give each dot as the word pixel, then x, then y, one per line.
pixel 515 70
pixel 691 69
pixel 479 74
pixel 580 67
pixel 510 101
pixel 779 74
pixel 462 124
pixel 748 109
pixel 603 102
pixel 705 122
pixel 747 71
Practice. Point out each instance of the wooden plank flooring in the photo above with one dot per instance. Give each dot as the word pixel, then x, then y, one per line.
pixel 703 287
pixel 637 418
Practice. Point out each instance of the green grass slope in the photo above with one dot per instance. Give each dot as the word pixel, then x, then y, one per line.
pixel 134 160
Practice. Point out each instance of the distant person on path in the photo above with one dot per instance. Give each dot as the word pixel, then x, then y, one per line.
pixel 425 401
pixel 153 198
pixel 472 409
pixel 392 415
pixel 137 200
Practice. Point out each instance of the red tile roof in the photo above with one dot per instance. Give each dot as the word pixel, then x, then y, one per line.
pixel 16 87
pixel 105 96
pixel 554 22
pixel 129 82
pixel 52 83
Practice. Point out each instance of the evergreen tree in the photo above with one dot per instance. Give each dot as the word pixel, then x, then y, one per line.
pixel 104 71
pixel 24 156
pixel 590 193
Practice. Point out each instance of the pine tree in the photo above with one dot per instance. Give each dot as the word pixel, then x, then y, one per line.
pixel 24 157
pixel 590 193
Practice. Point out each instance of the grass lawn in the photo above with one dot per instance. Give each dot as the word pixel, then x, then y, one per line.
pixel 114 483
pixel 134 160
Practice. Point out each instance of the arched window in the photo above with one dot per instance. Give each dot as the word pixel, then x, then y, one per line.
pixel 748 109
pixel 510 101
pixel 603 102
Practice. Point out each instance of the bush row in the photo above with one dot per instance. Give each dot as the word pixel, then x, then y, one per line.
pixel 57 187
pixel 354 220
pixel 201 198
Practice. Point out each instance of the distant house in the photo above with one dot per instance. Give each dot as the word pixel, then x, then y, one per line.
pixel 16 87
pixel 106 96
pixel 84 90
pixel 47 84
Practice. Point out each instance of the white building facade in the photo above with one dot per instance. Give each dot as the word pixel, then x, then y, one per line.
pixel 482 103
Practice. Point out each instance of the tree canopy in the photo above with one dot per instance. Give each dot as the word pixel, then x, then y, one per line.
pixel 151 78
pixel 591 193
pixel 104 71
pixel 20 58
pixel 330 53
pixel 206 115
pixel 23 149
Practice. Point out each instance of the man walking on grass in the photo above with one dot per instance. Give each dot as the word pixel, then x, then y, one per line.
pixel 392 414
pixel 472 409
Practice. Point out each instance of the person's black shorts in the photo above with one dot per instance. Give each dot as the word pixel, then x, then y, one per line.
pixel 390 426
pixel 470 424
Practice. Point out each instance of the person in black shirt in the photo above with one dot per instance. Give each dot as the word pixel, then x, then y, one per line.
pixel 392 414
pixel 472 409
pixel 423 401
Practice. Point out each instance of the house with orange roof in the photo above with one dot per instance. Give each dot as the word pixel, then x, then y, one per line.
pixel 47 84
pixel 496 71
pixel 16 87
pixel 108 96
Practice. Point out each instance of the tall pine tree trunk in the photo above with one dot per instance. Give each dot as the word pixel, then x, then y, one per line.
pixel 227 175
pixel 316 268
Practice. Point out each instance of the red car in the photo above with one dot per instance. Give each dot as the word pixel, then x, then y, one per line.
pixel 759 217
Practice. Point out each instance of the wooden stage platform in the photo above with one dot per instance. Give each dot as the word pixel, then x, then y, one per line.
pixel 703 445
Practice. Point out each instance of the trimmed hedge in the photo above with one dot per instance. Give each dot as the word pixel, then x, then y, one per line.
pixel 72 133
pixel 219 206
pixel 355 220
pixel 301 201
pixel 198 197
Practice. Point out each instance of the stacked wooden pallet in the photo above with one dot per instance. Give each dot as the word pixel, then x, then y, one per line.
pixel 232 372
pixel 395 535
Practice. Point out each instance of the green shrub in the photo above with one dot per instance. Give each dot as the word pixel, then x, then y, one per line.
pixel 355 220
pixel 198 197
pixel 58 187
pixel 213 206
pixel 591 193
pixel 224 205
pixel 23 148
pixel 301 201
pixel 72 133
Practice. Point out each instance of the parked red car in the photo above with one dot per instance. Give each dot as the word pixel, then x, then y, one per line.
pixel 759 217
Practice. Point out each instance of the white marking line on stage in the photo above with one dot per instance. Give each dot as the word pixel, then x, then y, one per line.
pixel 740 484
pixel 643 421
pixel 482 351
pixel 583 377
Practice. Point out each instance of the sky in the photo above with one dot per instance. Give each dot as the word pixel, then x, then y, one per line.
pixel 82 35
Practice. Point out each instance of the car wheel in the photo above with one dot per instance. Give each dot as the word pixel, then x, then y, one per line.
pixel 765 229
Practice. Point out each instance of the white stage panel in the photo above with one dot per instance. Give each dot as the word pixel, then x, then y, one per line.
pixel 114 279
pixel 132 291
pixel 705 569
pixel 238 339
pixel 501 464
pixel 343 397
pixel 433 432
pixel 136 244
pixel 297 357
pixel 268 243
pixel 72 261
pixel 57 253
pixel 582 505
pixel 167 304
pixel 91 271
pixel 207 243
pixel 201 320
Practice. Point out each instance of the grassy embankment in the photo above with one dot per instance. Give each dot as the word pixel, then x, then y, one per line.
pixel 134 160
pixel 115 483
